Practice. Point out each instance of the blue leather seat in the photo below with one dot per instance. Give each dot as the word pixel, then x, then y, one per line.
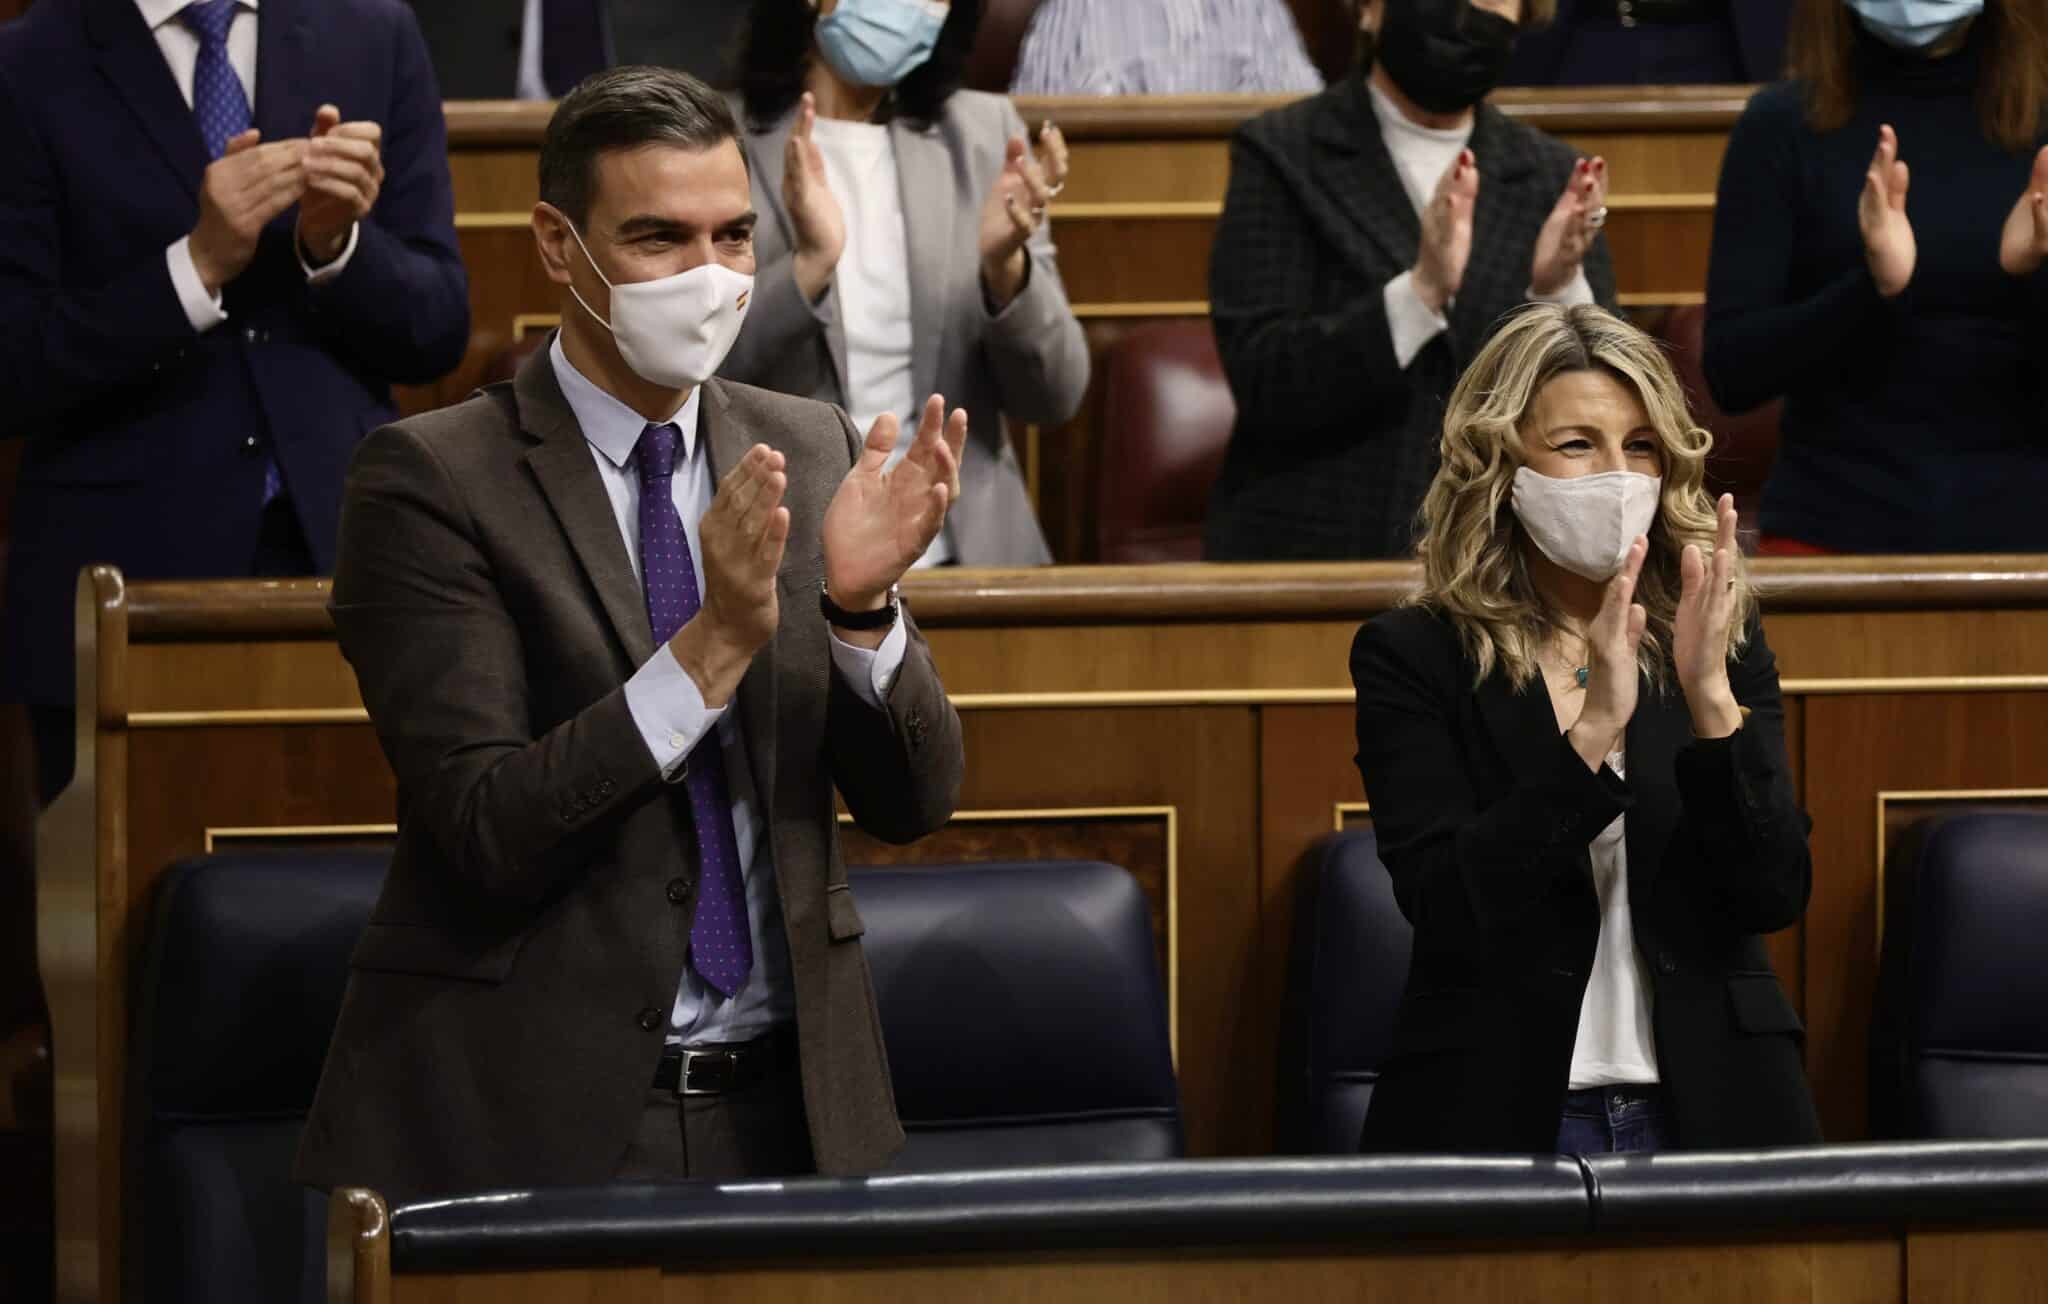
pixel 1959 1035
pixel 1021 1002
pixel 1347 966
pixel 240 983
pixel 1024 1014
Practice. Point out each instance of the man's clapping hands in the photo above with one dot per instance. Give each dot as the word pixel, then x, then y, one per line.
pixel 334 174
pixel 880 521
pixel 883 518
pixel 344 168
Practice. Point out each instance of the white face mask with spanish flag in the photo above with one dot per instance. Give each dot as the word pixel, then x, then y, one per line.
pixel 674 331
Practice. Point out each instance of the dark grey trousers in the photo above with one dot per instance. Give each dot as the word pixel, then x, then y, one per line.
pixel 757 1131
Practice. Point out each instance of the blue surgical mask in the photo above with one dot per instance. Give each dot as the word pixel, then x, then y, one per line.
pixel 1914 24
pixel 880 42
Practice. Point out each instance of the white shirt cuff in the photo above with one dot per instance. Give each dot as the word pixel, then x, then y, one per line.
pixel 1409 319
pixel 668 709
pixel 324 274
pixel 1576 291
pixel 205 311
pixel 872 674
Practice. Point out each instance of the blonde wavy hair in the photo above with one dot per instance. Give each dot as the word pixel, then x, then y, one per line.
pixel 1473 549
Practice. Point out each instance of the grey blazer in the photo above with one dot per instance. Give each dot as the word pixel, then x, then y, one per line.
pixel 507 1004
pixel 1028 363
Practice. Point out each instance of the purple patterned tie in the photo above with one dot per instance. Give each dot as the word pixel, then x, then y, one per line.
pixel 220 103
pixel 219 100
pixel 721 948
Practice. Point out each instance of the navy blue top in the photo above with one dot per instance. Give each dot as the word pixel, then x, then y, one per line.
pixel 1910 425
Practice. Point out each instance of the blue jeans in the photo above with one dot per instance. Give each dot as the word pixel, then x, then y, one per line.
pixel 1614 1120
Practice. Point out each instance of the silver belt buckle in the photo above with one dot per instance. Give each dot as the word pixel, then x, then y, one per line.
pixel 716 1080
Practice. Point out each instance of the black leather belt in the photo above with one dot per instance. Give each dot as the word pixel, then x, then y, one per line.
pixel 710 1070
pixel 1633 13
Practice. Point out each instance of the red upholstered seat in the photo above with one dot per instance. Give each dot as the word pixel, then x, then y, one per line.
pixel 1745 446
pixel 1166 418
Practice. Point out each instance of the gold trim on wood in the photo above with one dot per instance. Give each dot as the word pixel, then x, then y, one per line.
pixel 1274 592
pixel 498 220
pixel 1160 697
pixel 1929 796
pixel 504 125
pixel 82 949
pixel 277 715
pixel 1141 308
pixel 1680 202
pixel 1181 210
pixel 1171 210
pixel 310 832
pixel 1164 697
pixel 1340 809
pixel 1662 299
pixel 1171 815
pixel 534 321
pixel 1914 684
pixel 358 1248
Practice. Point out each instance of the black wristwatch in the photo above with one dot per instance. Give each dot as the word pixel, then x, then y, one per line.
pixel 880 618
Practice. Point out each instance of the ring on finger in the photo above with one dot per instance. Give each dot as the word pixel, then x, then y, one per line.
pixel 1053 192
pixel 1038 213
pixel 1597 218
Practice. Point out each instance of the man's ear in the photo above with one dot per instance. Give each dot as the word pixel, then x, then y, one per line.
pixel 552 238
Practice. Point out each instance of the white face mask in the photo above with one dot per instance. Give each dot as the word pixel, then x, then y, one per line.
pixel 1915 24
pixel 674 331
pixel 1586 524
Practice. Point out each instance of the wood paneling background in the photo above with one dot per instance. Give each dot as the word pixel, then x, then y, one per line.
pixel 1815 1269
pixel 1193 723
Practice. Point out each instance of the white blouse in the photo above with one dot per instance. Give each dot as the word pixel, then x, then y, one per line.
pixel 1616 1043
pixel 873 284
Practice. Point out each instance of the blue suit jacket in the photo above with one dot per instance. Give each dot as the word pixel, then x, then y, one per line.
pixel 146 439
pixel 1759 31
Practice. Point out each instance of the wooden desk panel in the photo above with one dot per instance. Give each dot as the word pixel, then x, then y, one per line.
pixel 1809 1268
pixel 1114 711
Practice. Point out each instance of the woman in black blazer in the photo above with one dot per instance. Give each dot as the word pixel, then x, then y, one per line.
pixel 1371 238
pixel 1589 972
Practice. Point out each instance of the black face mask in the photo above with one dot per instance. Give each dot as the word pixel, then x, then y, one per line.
pixel 1444 54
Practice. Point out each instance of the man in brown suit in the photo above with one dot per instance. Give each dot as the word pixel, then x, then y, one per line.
pixel 616 939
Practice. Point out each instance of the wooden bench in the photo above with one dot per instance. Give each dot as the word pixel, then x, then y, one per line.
pixel 1192 723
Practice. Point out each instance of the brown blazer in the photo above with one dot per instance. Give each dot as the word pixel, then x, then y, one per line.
pixel 507 1004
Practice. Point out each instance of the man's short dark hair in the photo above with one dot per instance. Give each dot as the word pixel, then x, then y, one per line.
pixel 624 108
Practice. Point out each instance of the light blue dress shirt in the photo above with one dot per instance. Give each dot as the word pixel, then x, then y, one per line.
pixel 669 708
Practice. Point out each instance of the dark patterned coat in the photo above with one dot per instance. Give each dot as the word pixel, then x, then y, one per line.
pixel 1335 442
